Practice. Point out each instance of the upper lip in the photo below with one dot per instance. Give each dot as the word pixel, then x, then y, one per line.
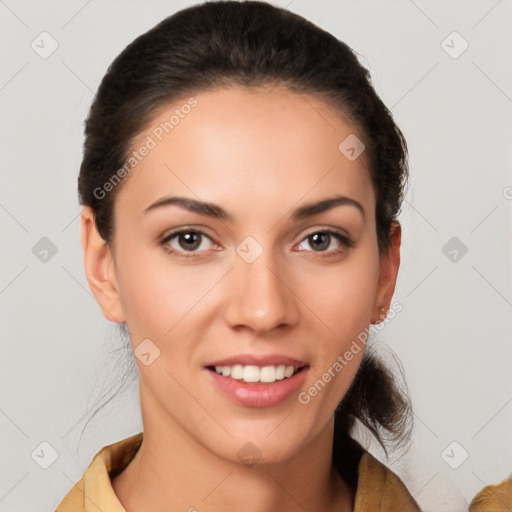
pixel 258 360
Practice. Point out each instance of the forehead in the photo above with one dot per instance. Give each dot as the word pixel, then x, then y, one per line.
pixel 264 144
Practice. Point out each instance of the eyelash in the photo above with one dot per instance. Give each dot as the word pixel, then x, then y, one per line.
pixel 345 241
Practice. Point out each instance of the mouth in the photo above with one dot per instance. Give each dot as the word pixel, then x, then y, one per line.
pixel 258 385
pixel 258 374
pixel 257 380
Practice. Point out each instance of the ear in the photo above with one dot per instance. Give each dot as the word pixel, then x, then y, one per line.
pixel 389 264
pixel 99 268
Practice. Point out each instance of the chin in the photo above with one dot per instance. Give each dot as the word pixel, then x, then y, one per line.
pixel 259 448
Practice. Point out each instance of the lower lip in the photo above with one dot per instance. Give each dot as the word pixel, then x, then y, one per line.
pixel 264 394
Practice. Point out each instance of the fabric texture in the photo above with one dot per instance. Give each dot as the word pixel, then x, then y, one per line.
pixel 378 488
pixel 494 498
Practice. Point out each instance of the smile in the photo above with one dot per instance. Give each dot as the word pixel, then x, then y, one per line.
pixel 252 373
pixel 251 385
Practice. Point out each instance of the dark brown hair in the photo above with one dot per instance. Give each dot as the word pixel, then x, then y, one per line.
pixel 229 43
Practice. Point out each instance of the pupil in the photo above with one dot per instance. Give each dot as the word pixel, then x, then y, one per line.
pixel 190 242
pixel 317 237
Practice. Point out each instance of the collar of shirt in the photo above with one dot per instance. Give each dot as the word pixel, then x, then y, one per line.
pixel 378 488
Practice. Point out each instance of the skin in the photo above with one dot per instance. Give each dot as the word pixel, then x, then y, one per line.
pixel 259 154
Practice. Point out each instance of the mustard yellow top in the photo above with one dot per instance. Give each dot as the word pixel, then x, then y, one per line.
pixel 378 488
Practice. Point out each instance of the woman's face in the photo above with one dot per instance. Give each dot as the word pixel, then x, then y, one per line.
pixel 253 284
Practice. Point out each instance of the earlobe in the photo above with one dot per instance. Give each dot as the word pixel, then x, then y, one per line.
pixel 99 268
pixel 389 265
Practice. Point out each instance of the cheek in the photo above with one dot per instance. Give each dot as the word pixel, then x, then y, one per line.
pixel 156 294
pixel 342 298
pixel 344 307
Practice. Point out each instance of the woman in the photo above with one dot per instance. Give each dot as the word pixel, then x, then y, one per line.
pixel 240 184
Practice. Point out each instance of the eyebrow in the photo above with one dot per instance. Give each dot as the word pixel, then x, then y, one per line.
pixel 217 212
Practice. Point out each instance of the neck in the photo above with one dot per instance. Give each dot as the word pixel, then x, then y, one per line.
pixel 172 469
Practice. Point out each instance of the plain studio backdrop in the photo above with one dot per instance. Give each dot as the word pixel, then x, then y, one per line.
pixel 443 69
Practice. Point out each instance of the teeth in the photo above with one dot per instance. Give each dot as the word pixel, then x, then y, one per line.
pixel 237 371
pixel 280 370
pixel 252 373
pixel 267 374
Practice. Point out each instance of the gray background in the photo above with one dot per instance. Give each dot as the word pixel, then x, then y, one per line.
pixel 454 333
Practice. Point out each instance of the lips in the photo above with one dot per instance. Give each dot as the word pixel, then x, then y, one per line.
pixel 257 381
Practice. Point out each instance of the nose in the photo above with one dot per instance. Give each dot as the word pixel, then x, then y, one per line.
pixel 262 297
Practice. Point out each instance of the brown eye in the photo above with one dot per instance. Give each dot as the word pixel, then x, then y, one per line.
pixel 189 241
pixel 186 240
pixel 320 241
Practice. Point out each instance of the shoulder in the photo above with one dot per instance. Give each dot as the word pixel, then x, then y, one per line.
pixel 95 486
pixel 375 487
pixel 497 498
pixel 379 489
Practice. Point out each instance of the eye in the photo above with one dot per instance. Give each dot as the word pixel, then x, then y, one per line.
pixel 192 241
pixel 186 240
pixel 321 241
